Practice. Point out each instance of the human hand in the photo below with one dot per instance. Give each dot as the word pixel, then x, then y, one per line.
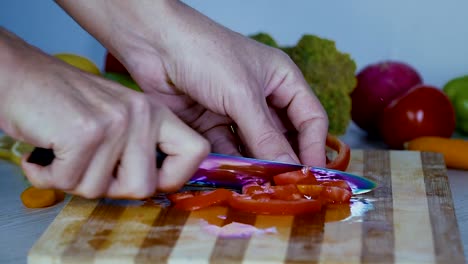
pixel 215 77
pixel 103 135
pixel 212 77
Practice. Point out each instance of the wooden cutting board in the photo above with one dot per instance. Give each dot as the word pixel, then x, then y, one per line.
pixel 409 218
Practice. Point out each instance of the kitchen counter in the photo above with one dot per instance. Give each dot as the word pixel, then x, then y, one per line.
pixel 21 227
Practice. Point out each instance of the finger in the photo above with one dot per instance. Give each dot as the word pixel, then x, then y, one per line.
pixel 99 174
pixel 136 172
pixel 66 170
pixel 218 130
pixel 307 115
pixel 135 175
pixel 260 134
pixel 185 150
pixel 223 140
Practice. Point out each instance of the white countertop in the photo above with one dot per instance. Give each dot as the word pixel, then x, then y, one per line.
pixel 21 227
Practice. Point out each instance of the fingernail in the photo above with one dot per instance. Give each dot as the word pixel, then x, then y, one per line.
pixel 286 158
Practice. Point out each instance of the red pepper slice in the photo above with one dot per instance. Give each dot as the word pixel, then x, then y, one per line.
pixel 330 194
pixel 304 176
pixel 286 197
pixel 287 192
pixel 337 183
pixel 341 161
pixel 311 190
pixel 245 203
pixel 333 194
pixel 195 200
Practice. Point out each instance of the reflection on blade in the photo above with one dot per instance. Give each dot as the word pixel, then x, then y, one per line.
pixel 234 172
pixel 358 184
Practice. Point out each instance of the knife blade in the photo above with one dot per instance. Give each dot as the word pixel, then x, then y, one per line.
pixel 233 172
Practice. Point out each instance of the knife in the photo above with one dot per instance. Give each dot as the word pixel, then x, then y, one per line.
pixel 233 172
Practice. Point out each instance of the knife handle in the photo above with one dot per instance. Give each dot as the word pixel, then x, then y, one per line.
pixel 41 156
pixel 45 157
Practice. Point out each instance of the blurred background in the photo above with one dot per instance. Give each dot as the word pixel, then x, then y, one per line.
pixel 431 35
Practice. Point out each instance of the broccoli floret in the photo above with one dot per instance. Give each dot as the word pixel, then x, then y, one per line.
pixel 265 39
pixel 330 73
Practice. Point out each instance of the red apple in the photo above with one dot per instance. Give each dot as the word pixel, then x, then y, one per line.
pixel 423 111
pixel 111 64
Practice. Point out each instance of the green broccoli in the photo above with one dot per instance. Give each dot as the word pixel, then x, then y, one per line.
pixel 265 39
pixel 330 74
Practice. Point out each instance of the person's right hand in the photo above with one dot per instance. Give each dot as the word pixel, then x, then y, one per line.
pixel 103 135
pixel 212 78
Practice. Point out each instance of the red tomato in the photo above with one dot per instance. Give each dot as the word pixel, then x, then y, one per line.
pixel 274 207
pixel 343 157
pixel 423 111
pixel 113 65
pixel 195 200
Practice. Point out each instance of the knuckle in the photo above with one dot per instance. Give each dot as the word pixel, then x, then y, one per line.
pixel 89 130
pixel 139 104
pixel 119 118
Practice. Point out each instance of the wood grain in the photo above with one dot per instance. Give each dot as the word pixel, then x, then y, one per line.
pixel 410 210
pixel 439 198
pixel 378 230
pixel 409 218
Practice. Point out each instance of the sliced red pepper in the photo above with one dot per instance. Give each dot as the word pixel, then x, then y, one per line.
pixel 337 183
pixel 311 190
pixel 195 200
pixel 284 198
pixel 245 203
pixel 287 192
pixel 303 176
pixel 257 192
pixel 333 194
pixel 330 194
pixel 341 161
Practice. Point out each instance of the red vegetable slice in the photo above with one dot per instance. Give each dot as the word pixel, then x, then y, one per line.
pixel 330 194
pixel 257 192
pixel 295 192
pixel 337 183
pixel 286 193
pixel 333 194
pixel 304 176
pixel 195 200
pixel 343 157
pixel 245 203
pixel 311 190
